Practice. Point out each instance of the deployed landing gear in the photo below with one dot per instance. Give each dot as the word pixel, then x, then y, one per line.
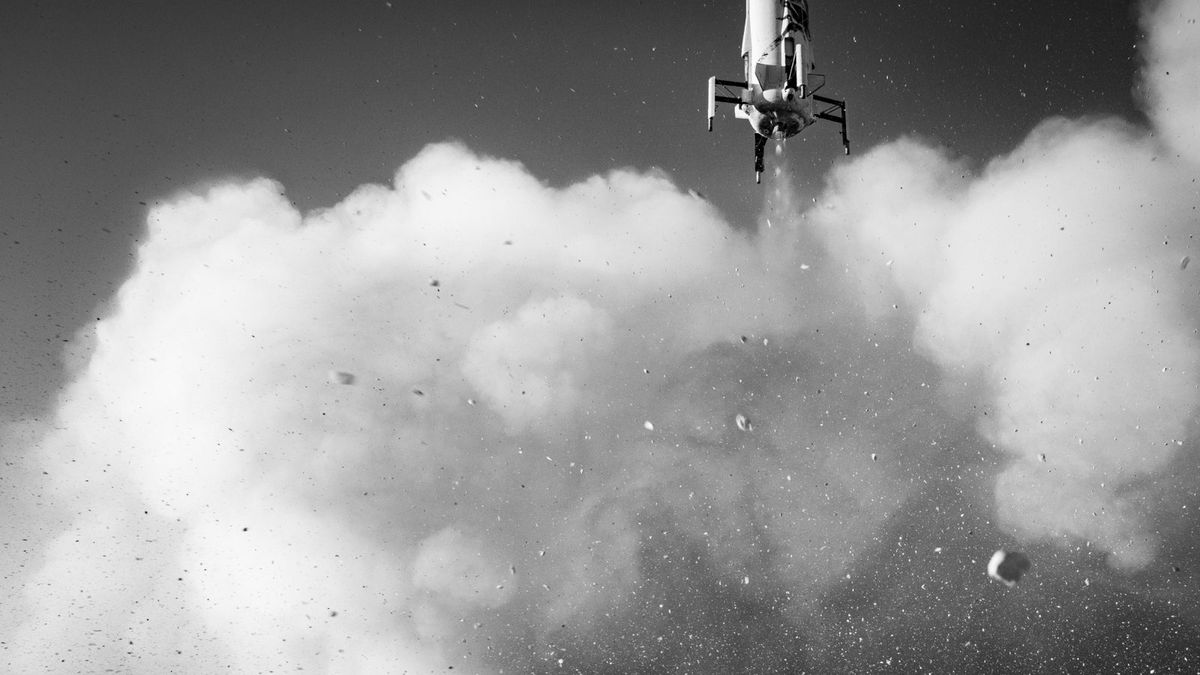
pixel 760 143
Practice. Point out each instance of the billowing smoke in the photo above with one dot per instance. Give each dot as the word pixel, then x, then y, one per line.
pixel 472 421
pixel 1054 287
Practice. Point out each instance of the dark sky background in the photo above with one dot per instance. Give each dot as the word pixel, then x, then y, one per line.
pixel 108 107
pixel 615 408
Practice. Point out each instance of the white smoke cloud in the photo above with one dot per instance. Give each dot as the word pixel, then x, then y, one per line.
pixel 1057 280
pixel 1171 74
pixel 479 457
pixel 475 486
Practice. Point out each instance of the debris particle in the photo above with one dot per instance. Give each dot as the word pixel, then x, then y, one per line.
pixel 746 580
pixel 1008 566
pixel 1184 263
pixel 874 457
pixel 804 266
pixel 743 339
pixel 418 392
pixel 426 195
pixel 743 422
pixel 1041 457
pixel 435 283
pixel 341 377
pixel 649 425
pixel 470 401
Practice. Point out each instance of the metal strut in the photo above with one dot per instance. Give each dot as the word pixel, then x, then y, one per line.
pixel 829 114
pixel 760 143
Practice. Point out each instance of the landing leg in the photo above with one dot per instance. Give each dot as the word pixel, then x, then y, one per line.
pixel 760 143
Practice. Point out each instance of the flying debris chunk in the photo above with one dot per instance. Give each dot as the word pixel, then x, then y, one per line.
pixel 743 422
pixel 648 425
pixel 1008 566
pixel 435 283
pixel 1184 263
pixel 341 377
